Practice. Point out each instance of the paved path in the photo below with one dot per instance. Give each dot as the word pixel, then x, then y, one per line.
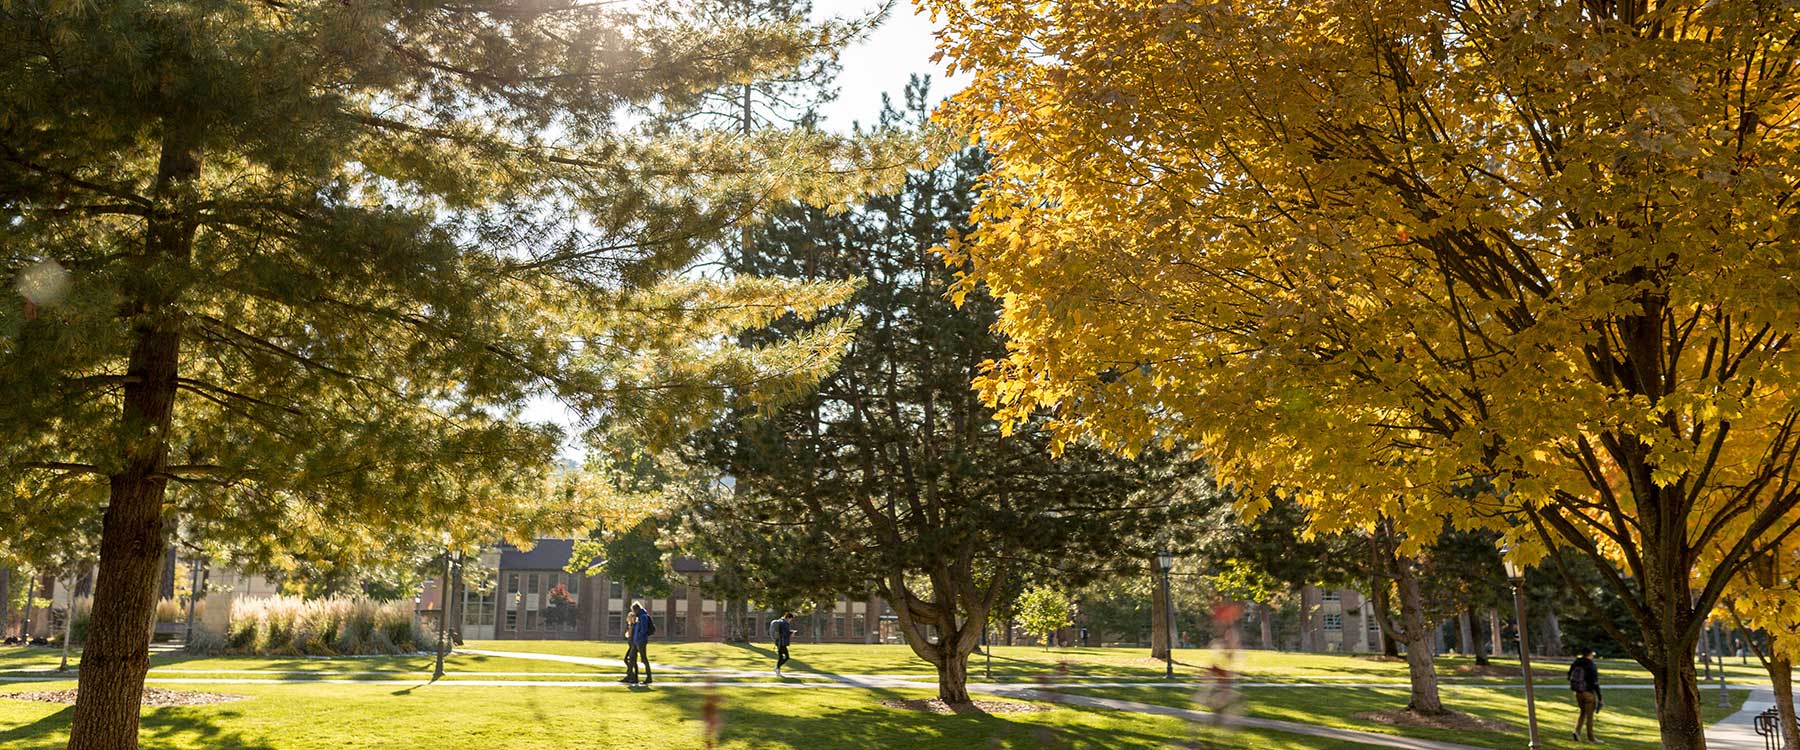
pixel 1736 732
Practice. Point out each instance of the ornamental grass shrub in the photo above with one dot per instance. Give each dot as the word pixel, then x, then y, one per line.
pixel 342 626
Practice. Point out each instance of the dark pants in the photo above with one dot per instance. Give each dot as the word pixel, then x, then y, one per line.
pixel 781 655
pixel 632 655
pixel 1589 703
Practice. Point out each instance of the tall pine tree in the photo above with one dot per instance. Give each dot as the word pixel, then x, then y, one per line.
pixel 317 256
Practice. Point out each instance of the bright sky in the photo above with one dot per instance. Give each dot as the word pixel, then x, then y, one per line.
pixel 900 47
pixel 883 62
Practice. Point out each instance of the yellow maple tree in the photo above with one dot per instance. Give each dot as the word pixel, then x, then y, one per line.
pixel 1374 251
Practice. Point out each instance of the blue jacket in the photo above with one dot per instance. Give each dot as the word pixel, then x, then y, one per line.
pixel 640 629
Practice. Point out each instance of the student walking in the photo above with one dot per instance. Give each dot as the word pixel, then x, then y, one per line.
pixel 783 632
pixel 638 630
pixel 1584 680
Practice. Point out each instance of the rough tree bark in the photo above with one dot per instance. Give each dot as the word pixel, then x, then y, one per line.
pixel 117 655
pixel 5 601
pixel 1496 639
pixel 1465 634
pixel 1418 632
pixel 958 609
pixel 1414 628
pixel 1781 676
pixel 1265 620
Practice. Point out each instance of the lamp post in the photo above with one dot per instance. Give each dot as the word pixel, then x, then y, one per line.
pixel 443 615
pixel 1165 560
pixel 1515 573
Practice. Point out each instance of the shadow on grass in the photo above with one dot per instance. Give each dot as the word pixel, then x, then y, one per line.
pixel 165 727
pixel 856 718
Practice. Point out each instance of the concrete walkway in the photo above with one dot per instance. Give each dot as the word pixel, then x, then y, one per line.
pixel 1737 732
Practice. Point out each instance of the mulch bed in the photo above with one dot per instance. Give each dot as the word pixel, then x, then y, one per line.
pixel 153 697
pixel 1400 717
pixel 935 706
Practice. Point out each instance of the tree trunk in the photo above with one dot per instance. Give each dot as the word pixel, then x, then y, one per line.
pixel 117 655
pixel 5 601
pixel 1551 644
pixel 1678 705
pixel 737 612
pixel 1382 606
pixel 1309 642
pixel 953 677
pixel 1702 652
pixel 1465 634
pixel 1265 620
pixel 1781 676
pixel 1159 617
pixel 31 581
pixel 1496 639
pixel 1417 630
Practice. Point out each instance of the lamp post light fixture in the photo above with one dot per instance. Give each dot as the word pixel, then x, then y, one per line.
pixel 443 639
pixel 1515 574
pixel 1165 560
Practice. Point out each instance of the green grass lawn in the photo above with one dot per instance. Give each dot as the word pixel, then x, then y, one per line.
pixel 391 704
pixel 1629 720
pixel 309 717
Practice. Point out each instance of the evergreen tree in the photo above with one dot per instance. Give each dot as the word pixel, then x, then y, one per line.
pixel 307 261
pixel 893 477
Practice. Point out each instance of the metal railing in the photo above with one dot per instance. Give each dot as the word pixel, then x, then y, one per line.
pixel 1768 725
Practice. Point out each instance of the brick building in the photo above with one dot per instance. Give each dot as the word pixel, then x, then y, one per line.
pixel 506 595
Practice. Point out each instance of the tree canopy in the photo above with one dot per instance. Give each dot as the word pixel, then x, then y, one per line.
pixel 308 262
pixel 891 476
pixel 1374 252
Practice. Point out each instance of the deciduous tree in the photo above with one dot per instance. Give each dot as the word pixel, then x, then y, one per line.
pixel 1378 251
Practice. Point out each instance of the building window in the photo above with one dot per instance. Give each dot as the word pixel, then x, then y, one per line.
pixel 531 620
pixel 1334 623
pixel 618 591
pixel 512 620
pixel 680 628
pixel 512 583
pixel 574 585
pixel 838 625
pixel 478 608
pixel 613 622
pixel 1331 596
pixel 531 583
pixel 859 624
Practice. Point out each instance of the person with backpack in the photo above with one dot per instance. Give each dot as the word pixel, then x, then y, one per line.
pixel 637 634
pixel 782 631
pixel 1584 681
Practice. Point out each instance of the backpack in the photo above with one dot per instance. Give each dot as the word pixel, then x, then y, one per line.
pixel 649 625
pixel 1577 678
